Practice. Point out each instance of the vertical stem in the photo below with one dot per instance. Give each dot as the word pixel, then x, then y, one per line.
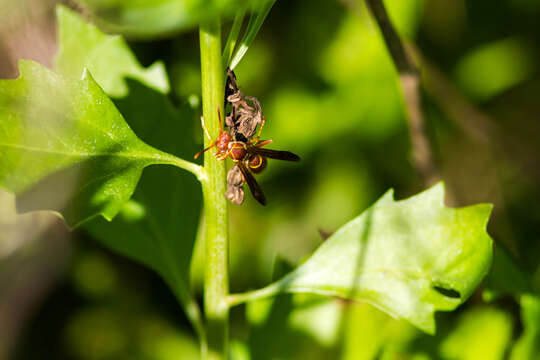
pixel 216 277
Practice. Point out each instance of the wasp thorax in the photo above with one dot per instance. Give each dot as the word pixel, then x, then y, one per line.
pixel 257 163
pixel 223 141
pixel 237 150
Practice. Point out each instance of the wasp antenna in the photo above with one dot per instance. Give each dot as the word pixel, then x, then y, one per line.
pixel 219 118
pixel 202 151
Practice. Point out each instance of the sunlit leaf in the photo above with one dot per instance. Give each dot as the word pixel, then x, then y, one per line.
pixel 144 19
pixel 65 146
pixel 109 59
pixel 410 258
pixel 157 226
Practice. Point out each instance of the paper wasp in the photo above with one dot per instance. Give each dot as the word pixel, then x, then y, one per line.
pixel 249 157
pixel 246 113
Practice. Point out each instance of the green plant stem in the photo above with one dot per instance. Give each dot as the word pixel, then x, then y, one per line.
pixel 193 168
pixel 216 277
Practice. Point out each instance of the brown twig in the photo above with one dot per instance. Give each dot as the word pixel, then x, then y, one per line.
pixel 473 122
pixel 409 76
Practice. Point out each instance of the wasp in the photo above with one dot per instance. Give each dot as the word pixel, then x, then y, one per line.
pixel 246 113
pixel 235 185
pixel 249 157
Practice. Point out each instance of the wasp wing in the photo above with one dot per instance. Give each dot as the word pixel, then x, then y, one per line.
pixel 252 183
pixel 274 154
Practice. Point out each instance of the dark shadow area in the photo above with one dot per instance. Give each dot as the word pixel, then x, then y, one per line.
pixel 72 189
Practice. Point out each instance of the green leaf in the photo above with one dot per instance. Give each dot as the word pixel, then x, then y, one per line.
pixel 528 345
pixel 157 226
pixel 410 258
pixel 65 146
pixel 145 19
pixel 109 59
pixel 230 45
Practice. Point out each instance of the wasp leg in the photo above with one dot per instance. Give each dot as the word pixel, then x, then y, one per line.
pixel 205 128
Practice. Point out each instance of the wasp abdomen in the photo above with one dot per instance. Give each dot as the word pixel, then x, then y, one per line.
pixel 257 163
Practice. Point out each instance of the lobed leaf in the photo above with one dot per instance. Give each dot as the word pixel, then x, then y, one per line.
pixel 232 38
pixel 65 147
pixel 82 45
pixel 157 226
pixel 410 258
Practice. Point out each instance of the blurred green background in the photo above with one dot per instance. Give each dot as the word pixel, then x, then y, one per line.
pixel 330 94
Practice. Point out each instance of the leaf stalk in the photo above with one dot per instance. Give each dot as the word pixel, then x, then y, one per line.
pixel 268 291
